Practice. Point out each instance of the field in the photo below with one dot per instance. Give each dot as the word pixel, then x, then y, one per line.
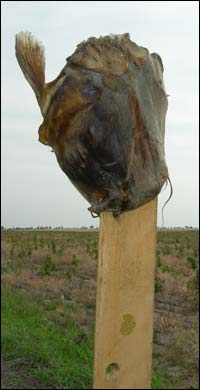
pixel 48 309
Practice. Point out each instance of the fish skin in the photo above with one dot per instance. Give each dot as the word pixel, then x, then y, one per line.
pixel 104 117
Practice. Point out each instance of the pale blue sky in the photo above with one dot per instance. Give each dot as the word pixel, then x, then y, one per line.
pixel 34 189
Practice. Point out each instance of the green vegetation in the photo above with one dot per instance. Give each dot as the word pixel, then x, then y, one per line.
pixel 72 267
pixel 167 268
pixel 158 285
pixel 193 283
pixel 193 262
pixel 166 250
pixel 158 381
pixel 161 380
pixel 55 356
pixel 158 261
pixel 48 308
pixel 48 266
pixel 92 249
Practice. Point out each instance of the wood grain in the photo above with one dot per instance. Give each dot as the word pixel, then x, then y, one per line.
pixel 125 299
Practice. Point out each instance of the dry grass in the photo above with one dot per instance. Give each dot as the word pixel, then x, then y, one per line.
pixel 59 269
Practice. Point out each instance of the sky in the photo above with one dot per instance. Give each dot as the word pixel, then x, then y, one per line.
pixel 35 192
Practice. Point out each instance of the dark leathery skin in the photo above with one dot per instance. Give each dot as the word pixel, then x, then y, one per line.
pixel 104 117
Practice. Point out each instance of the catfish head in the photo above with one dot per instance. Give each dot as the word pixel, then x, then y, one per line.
pixel 104 117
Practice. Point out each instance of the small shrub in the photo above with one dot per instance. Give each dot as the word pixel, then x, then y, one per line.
pixel 196 280
pixel 12 251
pixel 196 252
pixel 88 248
pixel 158 285
pixel 180 252
pixel 72 267
pixel 193 283
pixel 167 268
pixel 41 243
pixel 21 253
pixel 53 246
pixel 166 250
pixel 75 261
pixel 92 249
pixel 60 251
pixel 158 261
pixel 29 252
pixel 193 262
pixel 48 267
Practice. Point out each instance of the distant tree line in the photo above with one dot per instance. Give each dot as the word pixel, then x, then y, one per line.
pixel 46 228
pixel 91 227
pixel 178 228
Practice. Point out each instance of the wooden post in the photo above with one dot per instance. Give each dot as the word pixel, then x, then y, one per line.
pixel 125 299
